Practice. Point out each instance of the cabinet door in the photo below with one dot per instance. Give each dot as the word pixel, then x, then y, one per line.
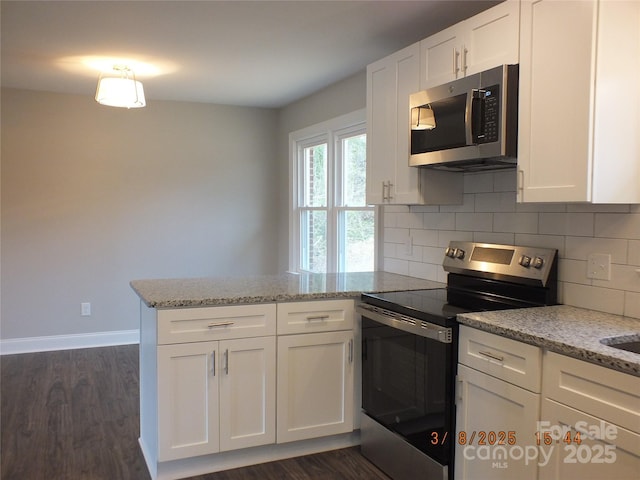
pixel 187 400
pixel 247 392
pixel 440 57
pixel 491 38
pixel 556 89
pixel 390 81
pixel 601 450
pixel 491 417
pixel 315 385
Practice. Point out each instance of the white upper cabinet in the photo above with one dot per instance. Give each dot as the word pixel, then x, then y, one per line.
pixel 390 179
pixel 579 110
pixel 484 41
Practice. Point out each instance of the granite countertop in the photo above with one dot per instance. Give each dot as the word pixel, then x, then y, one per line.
pixel 202 292
pixel 567 330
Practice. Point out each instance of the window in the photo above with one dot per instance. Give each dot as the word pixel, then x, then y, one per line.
pixel 332 228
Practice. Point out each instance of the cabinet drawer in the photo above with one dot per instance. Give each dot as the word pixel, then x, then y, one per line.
pixel 316 316
pixel 215 323
pixel 599 391
pixel 512 361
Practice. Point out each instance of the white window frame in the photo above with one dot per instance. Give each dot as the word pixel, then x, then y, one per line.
pixel 330 132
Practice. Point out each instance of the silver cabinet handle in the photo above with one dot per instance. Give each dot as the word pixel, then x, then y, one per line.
pixel 220 324
pixel 491 355
pixel 465 52
pixel 310 318
pixel 456 54
pixel 213 363
pixel 226 361
pixel 351 351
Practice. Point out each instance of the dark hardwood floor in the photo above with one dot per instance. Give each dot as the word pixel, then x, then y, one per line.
pixel 74 414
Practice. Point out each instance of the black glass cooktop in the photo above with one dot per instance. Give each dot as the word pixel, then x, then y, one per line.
pixel 427 305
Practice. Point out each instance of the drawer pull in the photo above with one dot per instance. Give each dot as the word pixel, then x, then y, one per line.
pixel 213 363
pixel 310 318
pixel 491 355
pixel 220 324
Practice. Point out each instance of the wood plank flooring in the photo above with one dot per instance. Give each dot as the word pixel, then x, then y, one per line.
pixel 74 414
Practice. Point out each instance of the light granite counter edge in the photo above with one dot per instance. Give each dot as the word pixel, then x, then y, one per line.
pixel 206 292
pixel 566 330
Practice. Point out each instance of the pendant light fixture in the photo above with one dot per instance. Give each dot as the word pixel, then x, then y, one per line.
pixel 120 88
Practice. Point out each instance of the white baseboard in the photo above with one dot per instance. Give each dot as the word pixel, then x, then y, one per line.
pixel 67 342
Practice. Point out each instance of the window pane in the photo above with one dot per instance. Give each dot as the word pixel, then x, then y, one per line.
pixel 313 241
pixel 358 241
pixel 355 167
pixel 315 176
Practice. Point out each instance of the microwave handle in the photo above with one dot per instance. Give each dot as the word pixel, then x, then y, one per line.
pixel 475 116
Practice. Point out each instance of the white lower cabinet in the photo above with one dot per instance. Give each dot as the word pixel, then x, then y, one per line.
pixel 590 421
pixel 315 385
pixel 208 384
pixel 215 396
pixel 497 407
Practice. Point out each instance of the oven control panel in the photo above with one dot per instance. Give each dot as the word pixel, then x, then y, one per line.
pixel 527 265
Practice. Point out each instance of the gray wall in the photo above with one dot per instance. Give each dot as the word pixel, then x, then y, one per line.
pixel 93 197
pixel 338 99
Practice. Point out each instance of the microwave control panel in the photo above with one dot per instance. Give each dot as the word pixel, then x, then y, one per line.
pixel 491 114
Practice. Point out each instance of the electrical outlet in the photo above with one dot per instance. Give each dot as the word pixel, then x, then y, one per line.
pixel 599 266
pixel 85 309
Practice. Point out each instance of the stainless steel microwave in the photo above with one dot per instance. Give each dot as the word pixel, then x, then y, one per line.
pixel 468 124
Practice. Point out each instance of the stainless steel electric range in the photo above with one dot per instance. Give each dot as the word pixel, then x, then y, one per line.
pixel 409 352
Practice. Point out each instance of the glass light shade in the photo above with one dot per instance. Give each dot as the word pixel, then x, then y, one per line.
pixel 120 92
pixel 422 118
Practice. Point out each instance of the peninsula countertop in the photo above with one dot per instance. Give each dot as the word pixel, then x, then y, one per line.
pixel 211 291
pixel 571 331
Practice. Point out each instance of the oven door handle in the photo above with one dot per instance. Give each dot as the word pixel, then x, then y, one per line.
pixel 407 324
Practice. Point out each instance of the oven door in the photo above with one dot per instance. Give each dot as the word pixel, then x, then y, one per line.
pixel 408 385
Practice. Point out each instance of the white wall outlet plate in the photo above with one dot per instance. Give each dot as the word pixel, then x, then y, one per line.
pixel 599 266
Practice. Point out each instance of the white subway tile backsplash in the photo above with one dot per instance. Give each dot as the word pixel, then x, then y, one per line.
pixel 618 225
pixel 393 265
pixel 574 271
pixel 496 202
pixel 632 304
pixel 409 220
pixel 396 235
pixel 541 207
pixel 490 214
pixel 474 222
pixel 444 237
pixel 433 255
pixel 634 252
pixel 516 222
pixel 478 182
pixel 424 270
pixel 590 208
pixel 594 298
pixel 623 277
pixel 468 205
pixel 580 248
pixel 579 224
pixel 544 241
pixel 505 181
pixel 491 237
pixel 425 237
pixel 440 221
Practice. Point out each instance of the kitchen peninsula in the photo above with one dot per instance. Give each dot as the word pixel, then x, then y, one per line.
pixel 210 349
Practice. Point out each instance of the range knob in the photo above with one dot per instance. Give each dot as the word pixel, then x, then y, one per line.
pixel 538 263
pixel 525 261
pixel 459 253
pixel 450 252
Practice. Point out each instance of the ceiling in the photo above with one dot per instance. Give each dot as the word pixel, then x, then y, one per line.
pixel 253 53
